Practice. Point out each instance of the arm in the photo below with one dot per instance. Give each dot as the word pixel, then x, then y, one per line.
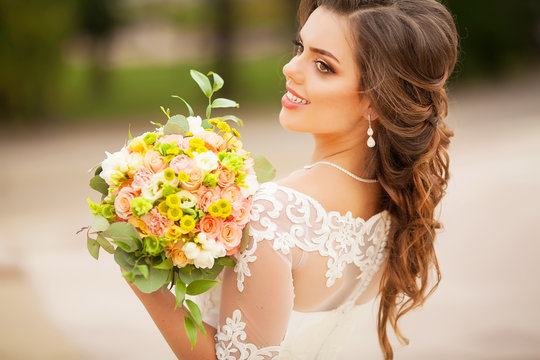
pixel 160 306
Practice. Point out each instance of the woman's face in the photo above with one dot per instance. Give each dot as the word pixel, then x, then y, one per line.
pixel 322 79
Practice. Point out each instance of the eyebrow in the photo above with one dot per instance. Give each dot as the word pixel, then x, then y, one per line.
pixel 320 51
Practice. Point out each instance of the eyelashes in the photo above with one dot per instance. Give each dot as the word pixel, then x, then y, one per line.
pixel 319 64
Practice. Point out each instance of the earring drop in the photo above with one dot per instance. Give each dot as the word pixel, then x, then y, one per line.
pixel 370 140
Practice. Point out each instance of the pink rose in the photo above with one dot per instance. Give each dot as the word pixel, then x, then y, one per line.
pixel 156 224
pixel 207 196
pixel 234 195
pixel 153 161
pixel 225 177
pixel 172 138
pixel 230 236
pixel 185 143
pixel 241 215
pixel 196 176
pixel 213 141
pixel 210 226
pixel 182 163
pixel 122 203
pixel 141 178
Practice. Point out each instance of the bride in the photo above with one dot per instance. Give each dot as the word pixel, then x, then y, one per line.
pixel 367 80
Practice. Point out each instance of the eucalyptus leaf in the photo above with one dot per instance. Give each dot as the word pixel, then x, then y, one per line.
pixel 125 259
pixel 177 124
pixel 191 331
pixel 197 287
pixel 100 223
pixel 122 245
pixel 105 244
pixel 98 183
pixel 196 315
pixel 224 103
pixel 245 238
pixel 144 270
pixel 205 124
pixel 203 82
pixel 124 233
pixel 93 247
pixel 165 265
pixel 233 118
pixel 190 273
pixel 179 292
pixel 264 170
pixel 156 279
pixel 218 81
pixel 190 109
pixel 226 260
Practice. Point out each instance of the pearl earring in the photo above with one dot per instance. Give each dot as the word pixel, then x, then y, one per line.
pixel 370 140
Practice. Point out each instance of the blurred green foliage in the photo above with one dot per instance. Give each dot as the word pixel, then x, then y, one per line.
pixel 36 80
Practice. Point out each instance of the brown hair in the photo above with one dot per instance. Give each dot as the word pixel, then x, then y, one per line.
pixel 406 50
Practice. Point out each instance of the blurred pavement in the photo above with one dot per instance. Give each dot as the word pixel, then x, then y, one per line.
pixel 59 303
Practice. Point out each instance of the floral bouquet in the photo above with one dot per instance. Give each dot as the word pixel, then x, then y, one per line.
pixel 176 201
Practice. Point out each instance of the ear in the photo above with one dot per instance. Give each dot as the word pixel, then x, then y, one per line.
pixel 371 112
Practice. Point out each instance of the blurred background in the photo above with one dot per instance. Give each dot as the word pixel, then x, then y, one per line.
pixel 75 74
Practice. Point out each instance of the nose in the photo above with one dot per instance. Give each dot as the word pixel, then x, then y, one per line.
pixel 293 71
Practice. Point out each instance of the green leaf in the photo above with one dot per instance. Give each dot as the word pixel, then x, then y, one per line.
pixel 166 112
pixel 264 170
pixel 197 287
pixel 176 125
pixel 190 273
pixel 130 137
pixel 190 109
pixel 212 273
pixel 245 238
pixel 218 81
pixel 195 313
pixel 98 171
pixel 98 183
pixel 208 111
pixel 124 234
pixel 226 261
pixel 100 223
pixel 224 103
pixel 125 259
pixel 165 265
pixel 144 270
pixel 179 292
pixel 234 118
pixel 105 244
pixel 156 279
pixel 191 331
pixel 203 82
pixel 93 247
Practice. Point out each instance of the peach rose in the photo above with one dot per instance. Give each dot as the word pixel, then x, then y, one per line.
pixel 141 178
pixel 174 251
pixel 196 176
pixel 234 195
pixel 230 236
pixel 210 226
pixel 207 196
pixel 153 161
pixel 225 177
pixel 182 163
pixel 213 141
pixel 156 224
pixel 171 138
pixel 241 215
pixel 122 203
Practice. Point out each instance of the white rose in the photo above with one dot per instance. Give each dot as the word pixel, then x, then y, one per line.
pixel 251 185
pixel 115 162
pixel 218 250
pixel 111 177
pixel 191 250
pixel 205 260
pixel 195 124
pixel 135 161
pixel 207 161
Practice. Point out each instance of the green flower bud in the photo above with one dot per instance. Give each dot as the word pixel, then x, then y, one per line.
pixel 210 180
pixel 152 245
pixel 140 206
pixel 108 212
pixel 150 138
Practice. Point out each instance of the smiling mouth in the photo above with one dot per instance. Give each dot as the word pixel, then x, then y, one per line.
pixel 296 99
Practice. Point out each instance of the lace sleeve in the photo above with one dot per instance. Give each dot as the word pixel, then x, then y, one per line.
pixel 253 322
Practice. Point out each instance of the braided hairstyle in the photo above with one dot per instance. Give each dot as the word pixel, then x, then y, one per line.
pixel 405 51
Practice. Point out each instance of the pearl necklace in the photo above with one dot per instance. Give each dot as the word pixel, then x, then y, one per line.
pixel 341 169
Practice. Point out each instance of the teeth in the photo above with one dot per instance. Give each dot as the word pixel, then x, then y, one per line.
pixel 296 99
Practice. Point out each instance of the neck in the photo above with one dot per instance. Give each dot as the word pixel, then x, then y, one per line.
pixel 343 150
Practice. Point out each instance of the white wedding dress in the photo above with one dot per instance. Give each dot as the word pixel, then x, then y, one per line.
pixel 293 291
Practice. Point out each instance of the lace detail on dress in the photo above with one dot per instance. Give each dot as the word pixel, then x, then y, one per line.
pixel 230 342
pixel 290 218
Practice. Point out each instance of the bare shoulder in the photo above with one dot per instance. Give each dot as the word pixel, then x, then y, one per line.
pixel 335 191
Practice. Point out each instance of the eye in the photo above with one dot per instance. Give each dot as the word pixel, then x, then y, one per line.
pixel 322 67
pixel 298 47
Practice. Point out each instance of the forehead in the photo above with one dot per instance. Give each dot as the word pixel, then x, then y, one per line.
pixel 329 31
